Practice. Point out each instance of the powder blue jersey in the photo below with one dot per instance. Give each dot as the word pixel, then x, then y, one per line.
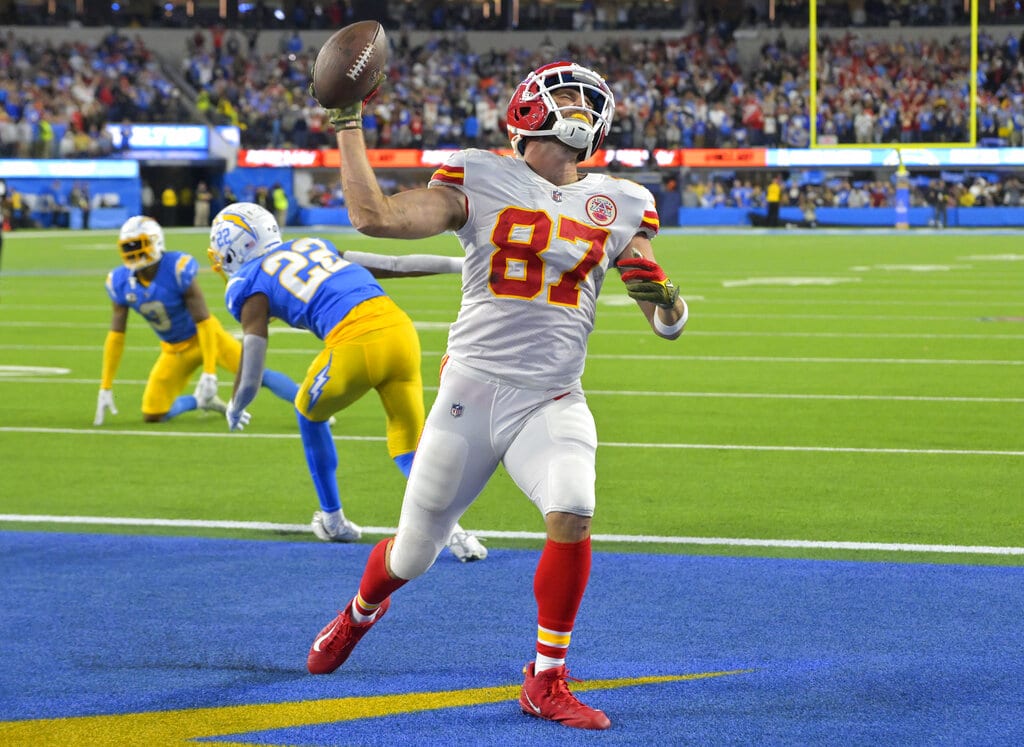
pixel 162 302
pixel 307 282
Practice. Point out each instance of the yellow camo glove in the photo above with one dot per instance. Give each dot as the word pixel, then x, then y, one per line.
pixel 646 281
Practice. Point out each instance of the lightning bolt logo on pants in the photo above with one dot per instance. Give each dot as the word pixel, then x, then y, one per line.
pixel 319 382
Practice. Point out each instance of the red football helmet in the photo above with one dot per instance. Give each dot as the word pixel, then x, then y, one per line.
pixel 533 112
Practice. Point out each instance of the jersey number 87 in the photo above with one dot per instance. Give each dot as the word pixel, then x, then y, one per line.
pixel 517 268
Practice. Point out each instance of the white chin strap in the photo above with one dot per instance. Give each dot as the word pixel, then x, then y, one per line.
pixel 574 132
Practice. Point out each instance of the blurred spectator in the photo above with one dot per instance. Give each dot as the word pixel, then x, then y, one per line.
pixel 148 200
pixel 80 199
pixel 203 201
pixel 186 205
pixel 55 205
pixel 773 198
pixel 279 199
pixel 169 206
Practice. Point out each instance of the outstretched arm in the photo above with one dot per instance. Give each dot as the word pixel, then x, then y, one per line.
pixel 405 265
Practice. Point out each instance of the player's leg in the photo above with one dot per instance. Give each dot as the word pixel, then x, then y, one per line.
pixel 454 460
pixel 553 461
pixel 336 378
pixel 394 362
pixel 162 398
pixel 453 463
pixel 229 356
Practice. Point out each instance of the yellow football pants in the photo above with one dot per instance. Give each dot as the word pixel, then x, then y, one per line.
pixel 374 347
pixel 176 364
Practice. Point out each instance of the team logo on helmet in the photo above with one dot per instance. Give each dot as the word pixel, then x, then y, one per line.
pixel 141 242
pixel 239 233
pixel 602 210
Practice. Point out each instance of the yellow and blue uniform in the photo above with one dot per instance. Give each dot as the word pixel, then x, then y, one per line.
pixel 161 302
pixel 369 342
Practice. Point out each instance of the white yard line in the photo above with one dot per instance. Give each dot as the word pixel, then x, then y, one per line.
pixel 161 433
pixel 434 326
pixel 630 357
pixel 261 526
pixel 16 377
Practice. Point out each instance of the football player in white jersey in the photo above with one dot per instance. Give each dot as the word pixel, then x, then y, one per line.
pixel 540 237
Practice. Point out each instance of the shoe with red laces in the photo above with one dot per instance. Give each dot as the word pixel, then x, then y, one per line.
pixel 546 695
pixel 335 642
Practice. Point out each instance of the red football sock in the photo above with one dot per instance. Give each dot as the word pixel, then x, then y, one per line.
pixel 377 584
pixel 558 586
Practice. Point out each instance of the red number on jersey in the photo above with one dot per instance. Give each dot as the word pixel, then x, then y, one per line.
pixel 522 236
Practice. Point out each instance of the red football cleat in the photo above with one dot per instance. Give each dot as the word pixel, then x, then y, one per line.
pixel 546 695
pixel 335 642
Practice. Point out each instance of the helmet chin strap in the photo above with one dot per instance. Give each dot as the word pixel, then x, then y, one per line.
pixel 573 132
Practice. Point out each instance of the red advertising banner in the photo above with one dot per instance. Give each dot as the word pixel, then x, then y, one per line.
pixel 410 158
pixel 277 158
pixel 724 158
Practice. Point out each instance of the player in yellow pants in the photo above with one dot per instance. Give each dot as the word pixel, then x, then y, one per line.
pixel 160 286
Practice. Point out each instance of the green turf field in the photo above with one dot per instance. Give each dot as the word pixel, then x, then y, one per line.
pixel 851 388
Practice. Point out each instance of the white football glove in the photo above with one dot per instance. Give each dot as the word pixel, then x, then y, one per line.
pixel 206 390
pixel 104 402
pixel 237 419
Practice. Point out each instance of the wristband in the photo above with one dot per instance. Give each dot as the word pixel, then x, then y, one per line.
pixel 671 329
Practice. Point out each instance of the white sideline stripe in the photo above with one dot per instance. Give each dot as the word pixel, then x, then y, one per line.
pixel 765 395
pixel 422 325
pixel 634 357
pixel 606 444
pixel 56 379
pixel 495 534
pixel 782 359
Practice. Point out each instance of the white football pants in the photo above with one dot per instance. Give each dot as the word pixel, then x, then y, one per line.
pixel 545 438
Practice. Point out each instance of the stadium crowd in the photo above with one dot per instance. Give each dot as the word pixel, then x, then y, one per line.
pixel 672 91
pixel 55 101
pixel 684 91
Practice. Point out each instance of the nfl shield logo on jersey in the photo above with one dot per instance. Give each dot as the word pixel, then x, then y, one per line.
pixel 556 195
pixel 457 409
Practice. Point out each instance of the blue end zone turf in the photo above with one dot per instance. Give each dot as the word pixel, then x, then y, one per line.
pixel 841 652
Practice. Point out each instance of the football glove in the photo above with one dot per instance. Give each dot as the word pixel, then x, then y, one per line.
pixel 104 402
pixel 237 418
pixel 646 281
pixel 349 117
pixel 206 390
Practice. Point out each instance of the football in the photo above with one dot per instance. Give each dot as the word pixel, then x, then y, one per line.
pixel 349 64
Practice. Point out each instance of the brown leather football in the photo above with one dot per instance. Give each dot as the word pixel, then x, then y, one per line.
pixel 350 64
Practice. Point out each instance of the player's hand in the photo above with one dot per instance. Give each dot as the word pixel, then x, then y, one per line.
pixel 646 281
pixel 349 117
pixel 104 402
pixel 206 390
pixel 236 417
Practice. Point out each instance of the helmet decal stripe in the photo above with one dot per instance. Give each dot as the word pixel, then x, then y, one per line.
pixel 239 221
pixel 241 233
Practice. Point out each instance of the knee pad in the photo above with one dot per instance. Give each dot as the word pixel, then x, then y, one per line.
pixel 570 486
pixel 413 552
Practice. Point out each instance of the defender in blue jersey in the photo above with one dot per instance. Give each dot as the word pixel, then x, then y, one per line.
pixel 160 286
pixel 369 343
